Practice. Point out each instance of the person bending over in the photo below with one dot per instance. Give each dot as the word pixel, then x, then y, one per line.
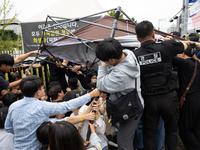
pixel 27 114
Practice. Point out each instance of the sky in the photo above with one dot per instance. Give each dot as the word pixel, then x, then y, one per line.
pixel 156 11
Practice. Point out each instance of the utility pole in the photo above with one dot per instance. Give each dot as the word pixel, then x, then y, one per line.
pixel 184 20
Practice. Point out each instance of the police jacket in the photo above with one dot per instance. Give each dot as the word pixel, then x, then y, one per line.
pixel 155 59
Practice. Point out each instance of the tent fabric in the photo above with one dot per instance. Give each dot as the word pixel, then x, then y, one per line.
pixel 73 50
pixel 69 9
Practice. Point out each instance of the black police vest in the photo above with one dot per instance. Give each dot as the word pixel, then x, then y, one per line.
pixel 157 77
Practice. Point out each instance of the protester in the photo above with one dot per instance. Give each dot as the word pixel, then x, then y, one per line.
pixel 57 71
pixel 16 90
pixel 189 125
pixel 64 136
pixel 158 85
pixel 45 97
pixel 75 85
pixel 26 115
pixel 93 81
pixel 83 125
pixel 6 63
pixel 9 98
pixel 42 135
pixel 117 76
pixel 56 93
pixel 82 72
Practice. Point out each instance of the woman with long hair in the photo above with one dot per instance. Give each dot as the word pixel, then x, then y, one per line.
pixel 64 136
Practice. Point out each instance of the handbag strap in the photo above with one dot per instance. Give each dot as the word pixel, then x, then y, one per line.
pixel 191 81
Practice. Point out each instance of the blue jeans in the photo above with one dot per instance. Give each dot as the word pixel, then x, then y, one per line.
pixel 160 135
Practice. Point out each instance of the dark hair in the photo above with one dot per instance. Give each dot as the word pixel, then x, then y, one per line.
pixel 14 76
pixel 6 59
pixel 53 83
pixel 109 48
pixel 3 114
pixel 71 95
pixel 73 83
pixel 189 51
pixel 194 38
pixel 9 98
pixel 192 34
pixel 92 74
pixel 64 136
pixel 42 134
pixel 30 85
pixel 54 90
pixel 144 30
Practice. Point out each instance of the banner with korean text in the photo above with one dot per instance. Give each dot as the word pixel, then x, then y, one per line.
pixel 32 32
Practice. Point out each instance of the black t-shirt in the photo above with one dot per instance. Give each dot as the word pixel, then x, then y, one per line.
pixel 3 83
pixel 186 71
pixel 56 74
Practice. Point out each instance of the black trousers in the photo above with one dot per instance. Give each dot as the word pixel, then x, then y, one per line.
pixel 166 106
pixel 189 122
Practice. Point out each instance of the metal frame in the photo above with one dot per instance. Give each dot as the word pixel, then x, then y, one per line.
pixel 83 41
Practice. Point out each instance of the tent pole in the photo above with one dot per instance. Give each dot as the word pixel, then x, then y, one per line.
pixel 74 36
pixel 115 22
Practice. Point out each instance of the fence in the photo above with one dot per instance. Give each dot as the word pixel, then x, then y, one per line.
pixel 42 72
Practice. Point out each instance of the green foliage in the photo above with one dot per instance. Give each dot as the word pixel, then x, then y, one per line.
pixel 8 39
pixel 8 35
pixel 5 9
pixel 9 45
pixel 134 20
pixel 113 12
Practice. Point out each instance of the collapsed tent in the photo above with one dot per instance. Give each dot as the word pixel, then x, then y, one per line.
pixel 80 46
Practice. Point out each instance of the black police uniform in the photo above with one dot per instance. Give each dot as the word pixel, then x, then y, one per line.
pixel 159 82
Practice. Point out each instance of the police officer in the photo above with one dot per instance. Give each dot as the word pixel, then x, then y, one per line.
pixel 159 82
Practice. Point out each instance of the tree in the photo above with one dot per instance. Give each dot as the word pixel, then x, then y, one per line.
pixel 113 12
pixel 5 11
pixel 9 35
pixel 8 39
pixel 134 20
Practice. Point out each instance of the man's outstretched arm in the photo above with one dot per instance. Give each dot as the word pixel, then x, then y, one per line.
pixel 22 57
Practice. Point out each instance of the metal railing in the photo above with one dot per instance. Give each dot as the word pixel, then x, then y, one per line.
pixel 42 72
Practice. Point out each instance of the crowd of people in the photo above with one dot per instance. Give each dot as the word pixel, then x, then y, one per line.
pixel 73 113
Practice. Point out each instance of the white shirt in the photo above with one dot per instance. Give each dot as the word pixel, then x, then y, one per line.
pixel 6 140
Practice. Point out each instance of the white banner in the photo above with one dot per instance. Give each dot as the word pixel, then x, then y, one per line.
pixel 194 16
